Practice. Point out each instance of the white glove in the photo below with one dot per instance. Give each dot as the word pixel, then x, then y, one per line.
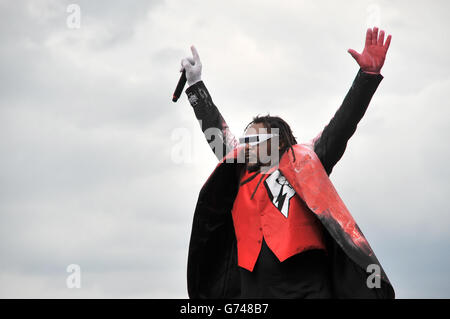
pixel 193 67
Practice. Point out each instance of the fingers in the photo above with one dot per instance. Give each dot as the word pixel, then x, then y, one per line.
pixel 381 39
pixel 186 63
pixel 374 35
pixel 373 38
pixel 368 37
pixel 195 54
pixel 182 65
pixel 354 54
pixel 388 42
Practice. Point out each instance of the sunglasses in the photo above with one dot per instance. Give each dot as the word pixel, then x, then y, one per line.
pixel 255 139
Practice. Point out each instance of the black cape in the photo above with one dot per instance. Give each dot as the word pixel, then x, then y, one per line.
pixel 213 272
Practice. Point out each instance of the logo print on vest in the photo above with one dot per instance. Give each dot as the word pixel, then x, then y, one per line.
pixel 280 191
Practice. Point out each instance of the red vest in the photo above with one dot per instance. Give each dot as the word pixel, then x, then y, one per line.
pixel 276 212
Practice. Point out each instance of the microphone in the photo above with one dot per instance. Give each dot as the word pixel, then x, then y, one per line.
pixel 180 87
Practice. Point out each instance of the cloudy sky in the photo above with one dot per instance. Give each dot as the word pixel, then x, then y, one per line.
pixel 90 141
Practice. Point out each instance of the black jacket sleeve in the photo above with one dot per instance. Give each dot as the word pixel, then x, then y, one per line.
pixel 331 144
pixel 213 125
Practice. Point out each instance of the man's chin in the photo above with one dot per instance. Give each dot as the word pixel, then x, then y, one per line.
pixel 252 167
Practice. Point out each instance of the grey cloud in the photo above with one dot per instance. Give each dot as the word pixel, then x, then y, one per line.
pixel 87 123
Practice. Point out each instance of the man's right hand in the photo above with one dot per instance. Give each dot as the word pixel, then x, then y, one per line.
pixel 371 60
pixel 193 67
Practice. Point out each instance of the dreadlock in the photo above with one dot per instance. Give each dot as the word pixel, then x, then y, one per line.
pixel 287 139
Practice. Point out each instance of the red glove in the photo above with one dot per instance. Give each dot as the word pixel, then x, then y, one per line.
pixel 372 58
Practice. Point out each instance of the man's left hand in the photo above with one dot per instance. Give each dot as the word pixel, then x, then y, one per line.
pixel 372 58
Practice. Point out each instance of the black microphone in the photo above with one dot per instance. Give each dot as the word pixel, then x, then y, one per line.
pixel 180 87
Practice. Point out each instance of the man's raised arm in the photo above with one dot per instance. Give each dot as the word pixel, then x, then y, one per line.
pixel 331 143
pixel 213 125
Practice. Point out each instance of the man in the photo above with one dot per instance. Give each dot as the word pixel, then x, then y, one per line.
pixel 268 222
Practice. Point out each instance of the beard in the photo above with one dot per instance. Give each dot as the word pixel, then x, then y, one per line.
pixel 253 167
pixel 252 163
